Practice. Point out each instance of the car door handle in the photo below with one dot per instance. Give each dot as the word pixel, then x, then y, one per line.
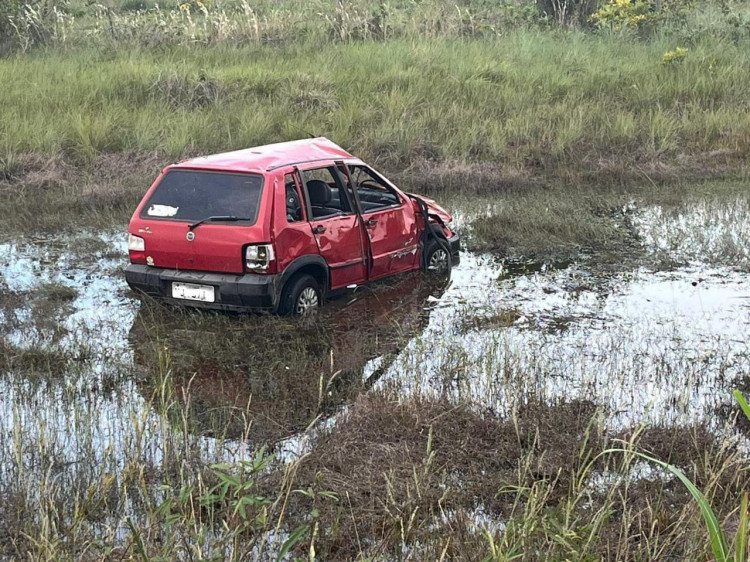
pixel 371 222
pixel 320 229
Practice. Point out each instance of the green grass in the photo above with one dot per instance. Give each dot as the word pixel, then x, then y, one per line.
pixel 717 536
pixel 559 103
pixel 543 123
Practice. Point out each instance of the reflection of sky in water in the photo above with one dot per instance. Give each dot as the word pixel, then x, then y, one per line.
pixel 649 346
pixel 656 346
pixel 706 231
pixel 95 411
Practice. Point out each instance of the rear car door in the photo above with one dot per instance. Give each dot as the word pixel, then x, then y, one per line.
pixel 335 224
pixel 293 235
pixel 389 221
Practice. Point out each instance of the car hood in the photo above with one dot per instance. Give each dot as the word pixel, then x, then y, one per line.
pixel 434 209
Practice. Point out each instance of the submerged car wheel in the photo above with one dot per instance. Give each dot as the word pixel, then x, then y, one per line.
pixel 437 259
pixel 301 296
pixel 307 300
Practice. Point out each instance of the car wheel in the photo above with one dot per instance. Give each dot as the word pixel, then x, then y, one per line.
pixel 437 259
pixel 301 296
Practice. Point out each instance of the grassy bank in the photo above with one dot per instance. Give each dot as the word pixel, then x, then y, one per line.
pixel 520 119
pixel 407 422
pixel 570 105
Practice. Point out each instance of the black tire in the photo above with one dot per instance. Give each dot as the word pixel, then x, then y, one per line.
pixel 301 295
pixel 437 258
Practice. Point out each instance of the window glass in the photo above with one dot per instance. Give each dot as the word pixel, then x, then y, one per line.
pixel 293 203
pixel 326 197
pixel 192 195
pixel 372 191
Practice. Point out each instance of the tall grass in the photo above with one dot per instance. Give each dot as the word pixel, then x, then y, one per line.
pixel 66 23
pixel 538 101
pixel 440 99
pixel 150 444
pixel 717 537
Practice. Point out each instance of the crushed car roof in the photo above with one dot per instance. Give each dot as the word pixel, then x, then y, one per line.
pixel 270 156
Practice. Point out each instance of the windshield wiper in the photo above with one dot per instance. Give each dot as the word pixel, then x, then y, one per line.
pixel 218 218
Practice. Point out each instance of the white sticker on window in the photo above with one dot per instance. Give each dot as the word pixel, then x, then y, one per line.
pixel 162 211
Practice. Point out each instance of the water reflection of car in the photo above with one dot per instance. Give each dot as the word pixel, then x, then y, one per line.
pixel 270 378
pixel 278 227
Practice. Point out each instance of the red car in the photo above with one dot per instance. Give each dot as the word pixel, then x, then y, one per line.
pixel 279 227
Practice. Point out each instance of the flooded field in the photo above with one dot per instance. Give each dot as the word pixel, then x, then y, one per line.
pixel 96 384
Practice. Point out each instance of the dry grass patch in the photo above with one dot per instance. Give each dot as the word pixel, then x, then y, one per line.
pixel 399 466
pixel 61 193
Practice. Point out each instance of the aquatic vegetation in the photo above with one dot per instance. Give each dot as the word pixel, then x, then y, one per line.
pixel 464 418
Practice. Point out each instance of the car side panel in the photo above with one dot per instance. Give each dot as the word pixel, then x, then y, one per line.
pixel 340 242
pixel 341 245
pixel 291 239
pixel 394 240
pixel 393 233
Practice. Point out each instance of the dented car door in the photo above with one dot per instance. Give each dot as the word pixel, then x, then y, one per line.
pixel 389 220
pixel 336 226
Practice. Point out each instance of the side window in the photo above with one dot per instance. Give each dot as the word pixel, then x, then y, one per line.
pixel 327 196
pixel 293 201
pixel 373 193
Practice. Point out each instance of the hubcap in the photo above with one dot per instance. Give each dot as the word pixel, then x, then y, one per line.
pixel 308 300
pixel 438 261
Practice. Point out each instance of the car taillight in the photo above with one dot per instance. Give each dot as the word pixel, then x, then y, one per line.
pixel 259 258
pixel 136 243
pixel 136 249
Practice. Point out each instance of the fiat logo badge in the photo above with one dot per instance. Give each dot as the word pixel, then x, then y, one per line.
pixel 190 236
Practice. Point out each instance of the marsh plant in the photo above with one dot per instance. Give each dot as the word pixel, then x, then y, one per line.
pixel 717 536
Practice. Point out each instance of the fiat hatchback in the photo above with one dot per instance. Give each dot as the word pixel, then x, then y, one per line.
pixel 279 228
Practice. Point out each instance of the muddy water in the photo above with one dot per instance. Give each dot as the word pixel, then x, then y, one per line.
pixel 660 344
pixel 704 231
pixel 648 346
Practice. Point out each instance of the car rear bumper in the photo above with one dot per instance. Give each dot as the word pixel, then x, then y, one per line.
pixel 231 292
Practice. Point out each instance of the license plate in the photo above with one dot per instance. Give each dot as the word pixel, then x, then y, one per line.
pixel 192 292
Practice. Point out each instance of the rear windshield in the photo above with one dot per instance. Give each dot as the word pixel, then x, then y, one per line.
pixel 192 195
